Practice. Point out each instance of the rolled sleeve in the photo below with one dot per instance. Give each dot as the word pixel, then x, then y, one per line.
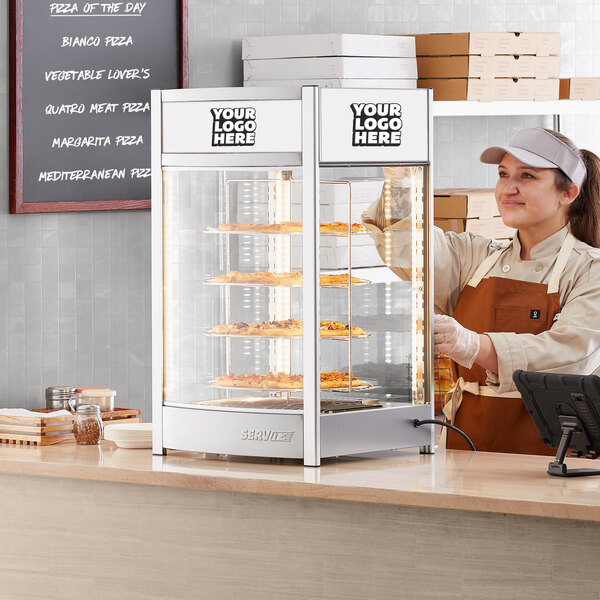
pixel 511 356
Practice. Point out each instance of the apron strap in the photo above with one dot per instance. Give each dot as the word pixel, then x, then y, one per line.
pixel 454 398
pixel 563 256
pixel 486 266
pixel 561 261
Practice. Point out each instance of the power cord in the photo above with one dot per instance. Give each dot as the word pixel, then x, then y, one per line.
pixel 419 422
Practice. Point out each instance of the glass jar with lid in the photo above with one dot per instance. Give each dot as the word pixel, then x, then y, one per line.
pixel 102 397
pixel 87 427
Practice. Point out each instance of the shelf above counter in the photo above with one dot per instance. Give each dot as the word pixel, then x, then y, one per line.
pixel 460 108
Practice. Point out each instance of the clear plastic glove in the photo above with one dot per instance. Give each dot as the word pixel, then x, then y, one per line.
pixel 451 338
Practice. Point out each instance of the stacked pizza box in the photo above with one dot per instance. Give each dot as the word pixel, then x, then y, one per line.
pixel 469 210
pixel 333 60
pixel 489 66
pixel 580 88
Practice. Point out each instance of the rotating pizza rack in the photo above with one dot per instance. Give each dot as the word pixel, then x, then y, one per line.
pixel 281 398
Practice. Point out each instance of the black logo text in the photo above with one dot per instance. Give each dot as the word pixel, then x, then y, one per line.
pixel 233 126
pixel 377 124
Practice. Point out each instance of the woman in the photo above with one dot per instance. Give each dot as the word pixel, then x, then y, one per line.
pixel 533 305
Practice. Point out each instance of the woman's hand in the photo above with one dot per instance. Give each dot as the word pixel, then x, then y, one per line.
pixel 450 337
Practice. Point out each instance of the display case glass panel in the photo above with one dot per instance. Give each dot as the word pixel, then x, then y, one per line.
pixel 233 288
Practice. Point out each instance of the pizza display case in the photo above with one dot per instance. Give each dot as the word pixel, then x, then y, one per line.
pixel 287 322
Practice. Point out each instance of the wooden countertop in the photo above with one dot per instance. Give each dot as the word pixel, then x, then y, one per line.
pixel 472 481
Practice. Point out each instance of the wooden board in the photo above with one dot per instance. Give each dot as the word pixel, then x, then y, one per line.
pixel 43 431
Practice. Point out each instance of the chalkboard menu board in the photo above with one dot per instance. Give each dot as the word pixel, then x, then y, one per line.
pixel 81 75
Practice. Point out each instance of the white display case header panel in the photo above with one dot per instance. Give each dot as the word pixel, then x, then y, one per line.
pixel 246 126
pixel 374 126
pixel 356 126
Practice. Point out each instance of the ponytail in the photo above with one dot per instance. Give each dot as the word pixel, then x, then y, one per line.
pixel 583 215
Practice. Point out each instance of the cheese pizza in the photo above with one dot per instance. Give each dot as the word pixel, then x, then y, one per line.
pixel 290 227
pixel 284 381
pixel 287 328
pixel 293 278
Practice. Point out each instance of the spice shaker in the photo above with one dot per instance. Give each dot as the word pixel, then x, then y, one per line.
pixel 87 427
pixel 58 397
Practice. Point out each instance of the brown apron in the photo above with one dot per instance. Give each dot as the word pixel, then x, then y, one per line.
pixel 500 422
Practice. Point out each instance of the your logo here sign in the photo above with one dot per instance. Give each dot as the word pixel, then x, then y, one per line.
pixel 374 125
pixel 232 126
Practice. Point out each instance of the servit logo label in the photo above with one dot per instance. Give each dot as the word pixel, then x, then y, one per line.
pixel 376 124
pixel 266 435
pixel 234 126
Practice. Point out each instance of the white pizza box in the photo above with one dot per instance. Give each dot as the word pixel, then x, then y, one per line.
pixel 334 241
pixel 337 258
pixel 331 67
pixel 397 84
pixel 326 44
pixel 357 191
pixel 333 212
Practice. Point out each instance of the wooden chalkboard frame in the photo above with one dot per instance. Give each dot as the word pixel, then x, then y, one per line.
pixel 17 205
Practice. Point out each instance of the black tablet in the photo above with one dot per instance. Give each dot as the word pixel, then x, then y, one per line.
pixel 566 411
pixel 550 396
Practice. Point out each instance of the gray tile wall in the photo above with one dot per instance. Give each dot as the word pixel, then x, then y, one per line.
pixel 75 288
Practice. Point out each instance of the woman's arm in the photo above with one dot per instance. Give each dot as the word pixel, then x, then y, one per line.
pixel 487 357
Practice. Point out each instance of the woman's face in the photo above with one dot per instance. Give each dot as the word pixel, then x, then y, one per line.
pixel 528 199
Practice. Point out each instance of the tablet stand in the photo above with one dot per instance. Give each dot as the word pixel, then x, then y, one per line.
pixel 570 426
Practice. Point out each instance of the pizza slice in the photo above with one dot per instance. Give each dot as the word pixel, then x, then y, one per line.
pixel 286 278
pixel 286 328
pixel 290 227
pixel 340 227
pixel 336 379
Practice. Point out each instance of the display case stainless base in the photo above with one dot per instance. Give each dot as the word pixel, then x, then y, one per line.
pixel 279 435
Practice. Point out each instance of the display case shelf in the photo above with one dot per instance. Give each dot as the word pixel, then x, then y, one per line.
pixel 340 338
pixel 215 230
pixel 355 388
pixel 342 286
pixel 466 108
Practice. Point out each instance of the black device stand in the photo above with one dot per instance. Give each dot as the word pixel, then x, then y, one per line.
pixel 571 425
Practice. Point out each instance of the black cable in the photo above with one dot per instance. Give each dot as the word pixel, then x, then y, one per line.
pixel 418 422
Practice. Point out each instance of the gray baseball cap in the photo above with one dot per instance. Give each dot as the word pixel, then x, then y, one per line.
pixel 537 147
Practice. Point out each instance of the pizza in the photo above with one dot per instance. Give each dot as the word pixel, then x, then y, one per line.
pixel 261 278
pixel 335 379
pixel 284 381
pixel 340 279
pixel 293 278
pixel 339 227
pixel 290 227
pixel 287 328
